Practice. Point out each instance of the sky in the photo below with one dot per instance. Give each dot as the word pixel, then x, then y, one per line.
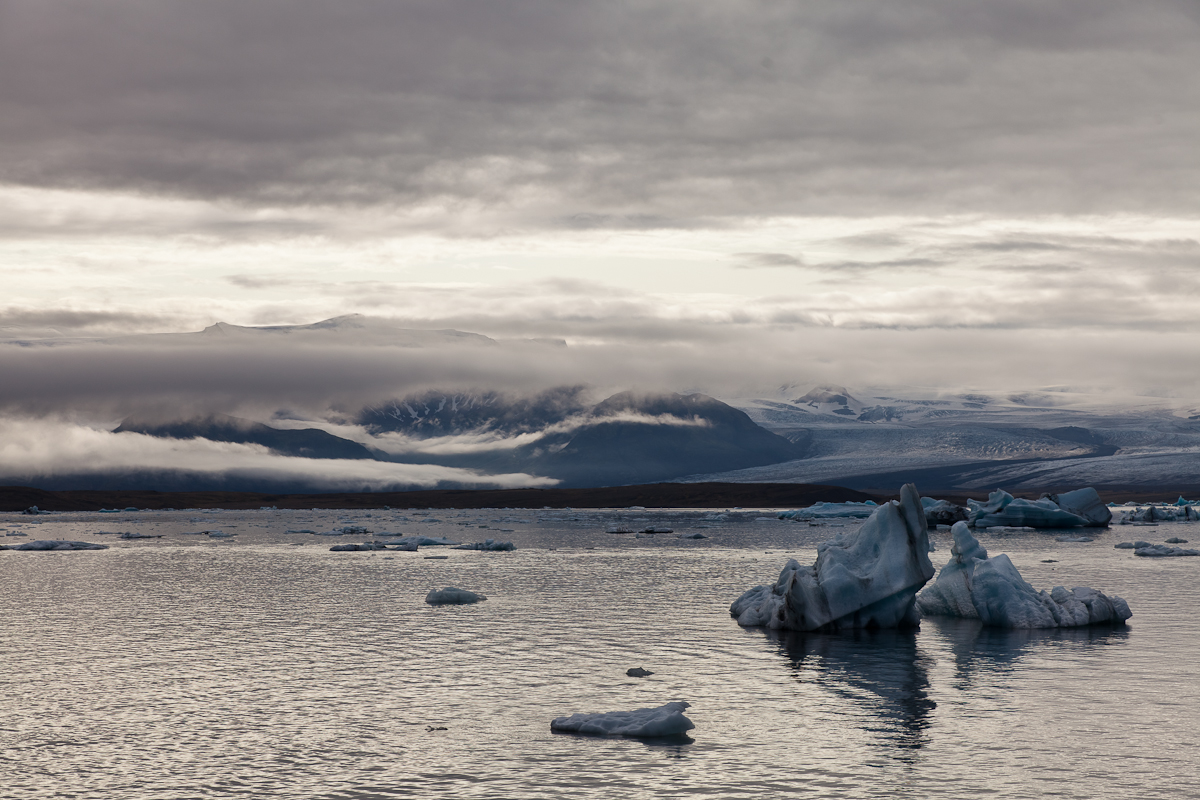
pixel 713 196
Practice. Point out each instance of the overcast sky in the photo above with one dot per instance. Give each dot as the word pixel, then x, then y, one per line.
pixel 935 192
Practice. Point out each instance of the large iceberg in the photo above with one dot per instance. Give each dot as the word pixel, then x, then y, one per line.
pixel 973 586
pixel 1081 508
pixel 666 720
pixel 865 579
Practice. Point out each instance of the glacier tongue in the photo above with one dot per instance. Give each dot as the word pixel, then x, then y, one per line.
pixel 865 579
pixel 973 586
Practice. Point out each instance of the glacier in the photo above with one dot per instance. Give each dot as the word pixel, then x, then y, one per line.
pixel 666 720
pixel 974 586
pixel 865 579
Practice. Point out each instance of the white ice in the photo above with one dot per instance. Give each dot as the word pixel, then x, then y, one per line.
pixel 452 596
pixel 666 720
pixel 973 586
pixel 865 579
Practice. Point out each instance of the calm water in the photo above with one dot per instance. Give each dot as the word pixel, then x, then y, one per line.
pixel 266 666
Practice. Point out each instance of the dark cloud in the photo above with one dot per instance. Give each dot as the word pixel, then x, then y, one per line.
pixel 638 114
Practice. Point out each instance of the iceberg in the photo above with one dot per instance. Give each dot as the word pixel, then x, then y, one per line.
pixel 849 509
pixel 56 545
pixel 1003 510
pixel 1162 551
pixel 489 545
pixel 973 586
pixel 422 541
pixel 666 720
pixel 1162 514
pixel 452 596
pixel 865 579
pixel 942 512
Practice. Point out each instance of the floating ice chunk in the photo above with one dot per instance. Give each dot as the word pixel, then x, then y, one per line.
pixel 1132 545
pixel 1085 503
pixel 1073 539
pixel 56 545
pixel 132 535
pixel 1163 514
pixel 347 548
pixel 619 529
pixel 1162 551
pixel 489 545
pixel 658 529
pixel 299 530
pixel 452 596
pixel 973 586
pixel 666 720
pixel 219 534
pixel 942 512
pixel 848 509
pixel 424 541
pixel 1002 509
pixel 865 579
pixel 1182 502
pixel 638 672
pixel 1175 540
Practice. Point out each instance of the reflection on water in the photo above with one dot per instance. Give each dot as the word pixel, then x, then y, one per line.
pixel 883 672
pixel 981 652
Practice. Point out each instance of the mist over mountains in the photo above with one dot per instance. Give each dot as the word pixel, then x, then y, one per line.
pixel 357 403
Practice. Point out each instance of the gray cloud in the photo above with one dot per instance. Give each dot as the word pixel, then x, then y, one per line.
pixel 641 114
pixel 755 260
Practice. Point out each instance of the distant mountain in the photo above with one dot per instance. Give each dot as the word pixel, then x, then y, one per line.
pixel 305 443
pixel 629 438
pixel 440 414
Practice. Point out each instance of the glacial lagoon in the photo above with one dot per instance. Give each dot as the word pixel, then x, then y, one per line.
pixel 260 664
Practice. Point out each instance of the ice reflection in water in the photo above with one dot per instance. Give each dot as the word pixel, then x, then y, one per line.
pixel 884 673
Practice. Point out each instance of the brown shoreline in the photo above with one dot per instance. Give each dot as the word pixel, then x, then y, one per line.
pixel 653 495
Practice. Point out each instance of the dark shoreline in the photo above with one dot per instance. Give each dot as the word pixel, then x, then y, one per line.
pixel 652 495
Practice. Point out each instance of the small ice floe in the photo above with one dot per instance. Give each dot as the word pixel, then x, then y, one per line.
pixel 666 720
pixel 692 536
pixel 865 579
pixel 132 535
pixel 452 596
pixel 406 547
pixel 55 545
pixel 268 508
pixel 424 541
pixel 653 529
pixel 299 530
pixel 850 510
pixel 33 511
pixel 431 520
pixel 1073 539
pixel 1162 551
pixel 1175 540
pixel 352 530
pixel 638 672
pixel 974 586
pixel 436 558
pixel 1132 545
pixel 349 548
pixel 219 534
pixel 619 529
pixel 16 533
pixel 490 545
